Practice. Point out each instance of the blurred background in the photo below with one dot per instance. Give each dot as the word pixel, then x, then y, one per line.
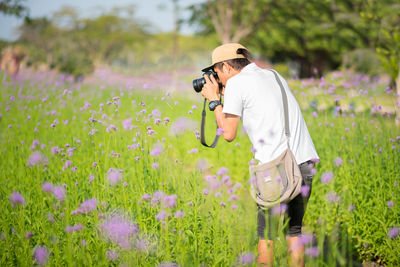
pixel 299 38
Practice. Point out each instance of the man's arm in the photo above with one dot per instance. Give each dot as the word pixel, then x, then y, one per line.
pixel 227 122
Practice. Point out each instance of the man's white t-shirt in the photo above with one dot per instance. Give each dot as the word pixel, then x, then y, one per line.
pixel 255 96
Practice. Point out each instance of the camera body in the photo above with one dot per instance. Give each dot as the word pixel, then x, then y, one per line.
pixel 200 82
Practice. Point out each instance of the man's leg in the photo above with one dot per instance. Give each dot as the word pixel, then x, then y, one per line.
pixel 296 210
pixel 265 253
pixel 265 247
pixel 296 251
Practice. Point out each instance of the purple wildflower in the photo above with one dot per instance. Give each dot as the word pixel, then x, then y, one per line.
pixel 114 176
pixel 179 214
pixel 393 232
pixel 234 207
pixel 220 131
pixel 326 177
pixel 16 199
pixel 351 208
pixel 338 161
pixel 58 193
pixel 205 192
pixel 161 215
pixel 222 171
pixel 127 124
pixel 306 239
pixel 74 228
pixel 88 205
pixel 112 255
pixel 313 252
pixel 222 204
pixel 277 210
pixel 41 255
pixel 155 165
pixel 332 197
pixel 390 204
pixel 157 150
pixel 119 230
pixel 146 197
pixel 305 190
pixel 169 201
pixel 181 125
pixel 246 258
pixel 28 235
pixel 47 187
pixel 36 158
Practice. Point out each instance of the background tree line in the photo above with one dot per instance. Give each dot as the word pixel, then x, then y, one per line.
pixel 315 35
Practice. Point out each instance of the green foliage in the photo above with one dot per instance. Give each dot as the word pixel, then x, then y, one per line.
pixel 74 118
pixel 13 7
pixel 364 61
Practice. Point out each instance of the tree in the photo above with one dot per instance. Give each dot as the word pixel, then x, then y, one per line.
pixel 232 20
pixel 13 7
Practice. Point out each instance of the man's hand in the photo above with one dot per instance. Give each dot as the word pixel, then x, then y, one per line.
pixel 211 89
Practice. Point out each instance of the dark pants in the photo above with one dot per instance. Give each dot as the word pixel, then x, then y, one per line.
pixel 295 209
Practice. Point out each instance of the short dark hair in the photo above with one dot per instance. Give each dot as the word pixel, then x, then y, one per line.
pixel 237 63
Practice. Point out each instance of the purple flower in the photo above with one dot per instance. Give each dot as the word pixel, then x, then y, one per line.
pixel 114 176
pixel 313 252
pixel 74 228
pixel 36 158
pixel 155 165
pixel 112 255
pixel 246 258
pixel 41 255
pixel 161 215
pixel 119 230
pixel 306 239
pixel 89 205
pixel 220 131
pixel 234 207
pixel 146 197
pixel 233 197
pixel 179 214
pixel 326 177
pixel 16 199
pixel 28 235
pixel 390 204
pixel 338 161
pixel 351 208
pixel 127 124
pixel 305 190
pixel 205 192
pixel 58 193
pixel 393 232
pixel 181 125
pixel 277 210
pixel 222 171
pixel 193 151
pixel 47 187
pixel 222 203
pixel 68 163
pixel 332 197
pixel 169 201
pixel 157 150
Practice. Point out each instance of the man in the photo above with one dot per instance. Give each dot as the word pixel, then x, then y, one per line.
pixel 253 95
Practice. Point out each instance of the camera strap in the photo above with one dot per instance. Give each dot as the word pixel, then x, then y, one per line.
pixel 203 123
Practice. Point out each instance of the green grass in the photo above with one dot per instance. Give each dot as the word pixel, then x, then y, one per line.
pixel 208 234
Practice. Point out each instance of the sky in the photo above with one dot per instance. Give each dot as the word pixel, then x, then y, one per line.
pixel 158 12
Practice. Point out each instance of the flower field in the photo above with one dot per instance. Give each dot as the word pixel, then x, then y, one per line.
pixel 107 174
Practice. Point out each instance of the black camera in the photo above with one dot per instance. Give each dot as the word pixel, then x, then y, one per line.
pixel 200 82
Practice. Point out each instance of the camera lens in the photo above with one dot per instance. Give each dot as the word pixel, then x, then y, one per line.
pixel 198 84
